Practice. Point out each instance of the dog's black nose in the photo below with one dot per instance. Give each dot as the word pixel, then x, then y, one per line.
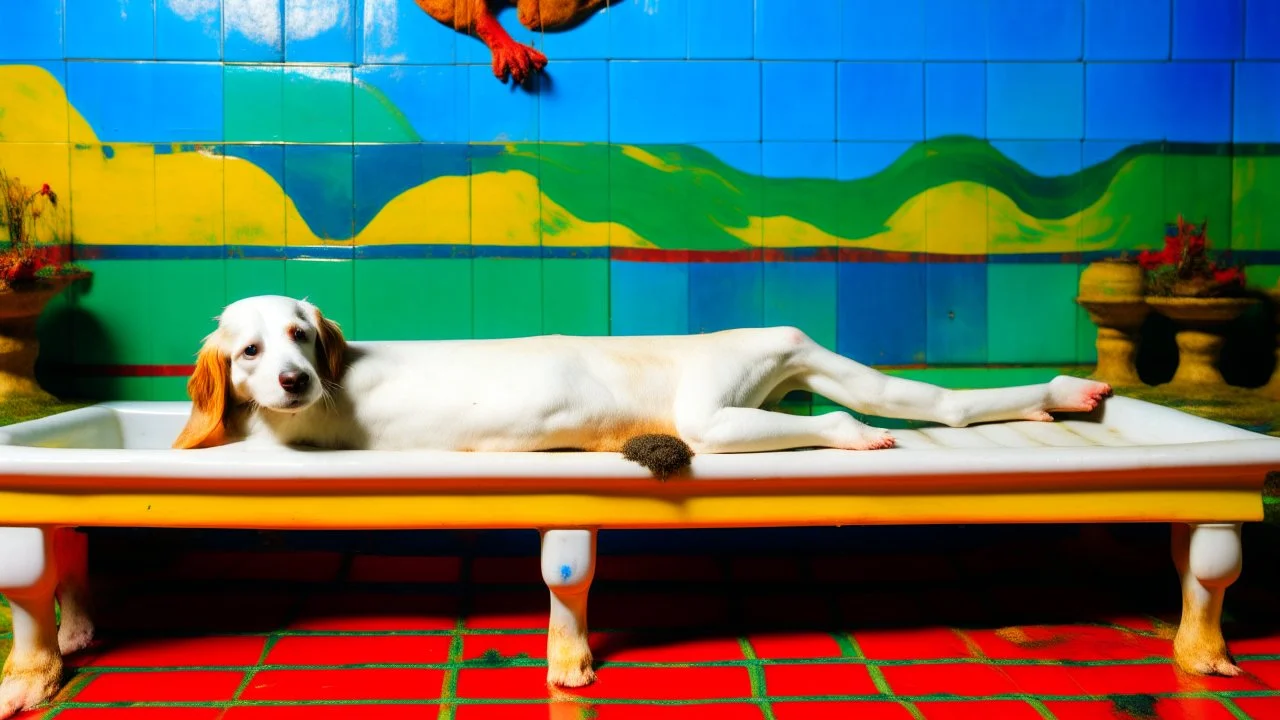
pixel 294 382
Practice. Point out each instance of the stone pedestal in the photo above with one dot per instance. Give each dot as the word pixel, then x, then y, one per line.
pixel 1119 322
pixel 1200 324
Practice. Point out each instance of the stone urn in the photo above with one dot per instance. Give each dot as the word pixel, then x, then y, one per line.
pixel 1272 388
pixel 1200 322
pixel 1111 292
pixel 20 309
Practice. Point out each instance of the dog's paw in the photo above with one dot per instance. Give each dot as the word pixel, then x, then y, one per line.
pixel 74 634
pixel 570 677
pixel 1072 394
pixel 28 688
pixel 873 439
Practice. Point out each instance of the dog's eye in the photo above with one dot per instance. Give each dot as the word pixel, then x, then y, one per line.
pixel 299 335
pixel 251 351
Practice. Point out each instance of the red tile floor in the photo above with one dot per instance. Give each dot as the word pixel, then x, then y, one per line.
pixel 935 623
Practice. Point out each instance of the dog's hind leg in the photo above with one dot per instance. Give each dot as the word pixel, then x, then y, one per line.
pixel 733 430
pixel 75 631
pixel 869 391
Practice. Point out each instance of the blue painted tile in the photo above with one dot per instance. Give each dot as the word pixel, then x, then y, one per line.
pixel 647 30
pixel 648 298
pixel 471 50
pixel 863 159
pixel 955 29
pixel 191 110
pixel 319 179
pixel 798 159
pixel 880 101
pixel 31 30
pixel 1257 98
pixel 1208 29
pixel 398 31
pixel 803 295
pixel 188 31
pixel 679 102
pixel 882 30
pixel 588 40
pixel 955 99
pixel 722 30
pixel 1262 29
pixel 320 32
pixel 785 33
pixel 956 313
pixel 893 335
pixel 724 295
pixel 573 102
pixel 498 112
pixel 123 30
pixel 116 99
pixel 1126 101
pixel 1041 30
pixel 1208 119
pixel 722 101
pixel 799 101
pixel 1035 101
pixel 252 32
pixel 433 99
pixel 1129 30
pixel 1050 158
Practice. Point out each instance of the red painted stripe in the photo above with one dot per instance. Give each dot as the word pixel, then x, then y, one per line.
pixel 126 370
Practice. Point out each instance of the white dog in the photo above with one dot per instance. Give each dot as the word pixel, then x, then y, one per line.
pixel 276 371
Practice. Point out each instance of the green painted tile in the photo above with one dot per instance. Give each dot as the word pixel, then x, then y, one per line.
pixel 101 389
pixel 318 104
pixel 1199 188
pixel 253 103
pixel 575 179
pixel 508 297
pixel 169 388
pixel 1031 313
pixel 193 293
pixel 1131 213
pixel 413 299
pixel 56 327
pixel 111 326
pixel 962 378
pixel 1255 214
pixel 1263 277
pixel 575 297
pixel 246 278
pixel 329 284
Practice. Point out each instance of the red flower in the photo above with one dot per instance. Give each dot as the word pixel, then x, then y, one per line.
pixel 1229 276
pixel 44 190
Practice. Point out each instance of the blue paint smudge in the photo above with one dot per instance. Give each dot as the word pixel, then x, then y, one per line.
pixel 565 572
pixel 108 152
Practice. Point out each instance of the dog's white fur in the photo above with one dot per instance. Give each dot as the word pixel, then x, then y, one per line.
pixel 559 392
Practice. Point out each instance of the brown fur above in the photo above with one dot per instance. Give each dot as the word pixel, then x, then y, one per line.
pixel 662 455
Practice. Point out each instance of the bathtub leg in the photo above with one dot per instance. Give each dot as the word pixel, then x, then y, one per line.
pixel 1208 558
pixel 71 549
pixel 28 576
pixel 568 565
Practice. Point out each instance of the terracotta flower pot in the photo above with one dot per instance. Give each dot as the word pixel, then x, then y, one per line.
pixel 1111 291
pixel 1199 336
pixel 20 309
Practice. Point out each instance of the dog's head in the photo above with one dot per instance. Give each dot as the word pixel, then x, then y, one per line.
pixel 275 352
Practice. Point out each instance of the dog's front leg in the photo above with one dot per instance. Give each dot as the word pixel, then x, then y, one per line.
pixel 75 631
pixel 28 576
pixel 568 565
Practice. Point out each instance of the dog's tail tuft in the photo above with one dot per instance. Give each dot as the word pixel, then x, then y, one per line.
pixel 662 455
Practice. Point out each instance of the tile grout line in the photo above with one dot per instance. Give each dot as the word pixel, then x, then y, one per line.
pixel 449 688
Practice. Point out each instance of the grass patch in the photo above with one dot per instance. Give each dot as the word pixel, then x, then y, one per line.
pixel 18 410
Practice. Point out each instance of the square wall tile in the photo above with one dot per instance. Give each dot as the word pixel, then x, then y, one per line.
pixel 320 32
pixel 254 201
pixel 400 32
pixel 253 103
pixel 723 30
pixel 648 298
pixel 722 101
pixel 387 176
pixel 1031 313
pixel 955 99
pixel 644 30
pixel 1198 185
pixel 956 313
pixel 44 84
pixel 189 197
pixel 575 181
pixel 799 101
pixel 882 30
pixel 1041 30
pixel 1138 173
pixel 575 296
pixel 782 33
pixel 725 295
pixel 498 112
pixel 122 30
pixel 191 107
pixel 1208 29
pixel 246 278
pixel 116 99
pixel 427 102
pixel 31 30
pixel 507 296
pixel 190 292
pixel 861 214
pixel 1130 30
pixel 1253 205
pixel 880 101
pixel 573 102
pixel 319 180
pixel 329 284
pixel 955 29
pixel 587 40
pixel 438 290
pixel 252 31
pixel 1262 29
pixel 1257 102
pixel 188 31
pixel 802 294
pixel 679 102
pixel 1208 120
pixel 895 333
pixel 1126 100
pixel 1035 101
pixel 113 194
pixel 318 106
pixel 506 202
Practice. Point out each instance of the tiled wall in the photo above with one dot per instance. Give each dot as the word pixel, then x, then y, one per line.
pixel 912 182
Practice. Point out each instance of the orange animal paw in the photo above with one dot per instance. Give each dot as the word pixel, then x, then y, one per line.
pixel 517 61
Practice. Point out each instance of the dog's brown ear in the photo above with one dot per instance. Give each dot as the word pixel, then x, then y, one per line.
pixel 331 347
pixel 208 387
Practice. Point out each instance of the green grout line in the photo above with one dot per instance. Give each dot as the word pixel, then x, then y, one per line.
pixel 1233 708
pixel 449 689
pixel 1041 708
pixel 755 670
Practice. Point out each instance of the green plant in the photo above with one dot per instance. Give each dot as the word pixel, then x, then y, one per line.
pixel 23 259
pixel 1186 268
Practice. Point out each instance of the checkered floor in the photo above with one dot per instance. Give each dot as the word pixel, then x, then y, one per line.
pixel 1064 623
